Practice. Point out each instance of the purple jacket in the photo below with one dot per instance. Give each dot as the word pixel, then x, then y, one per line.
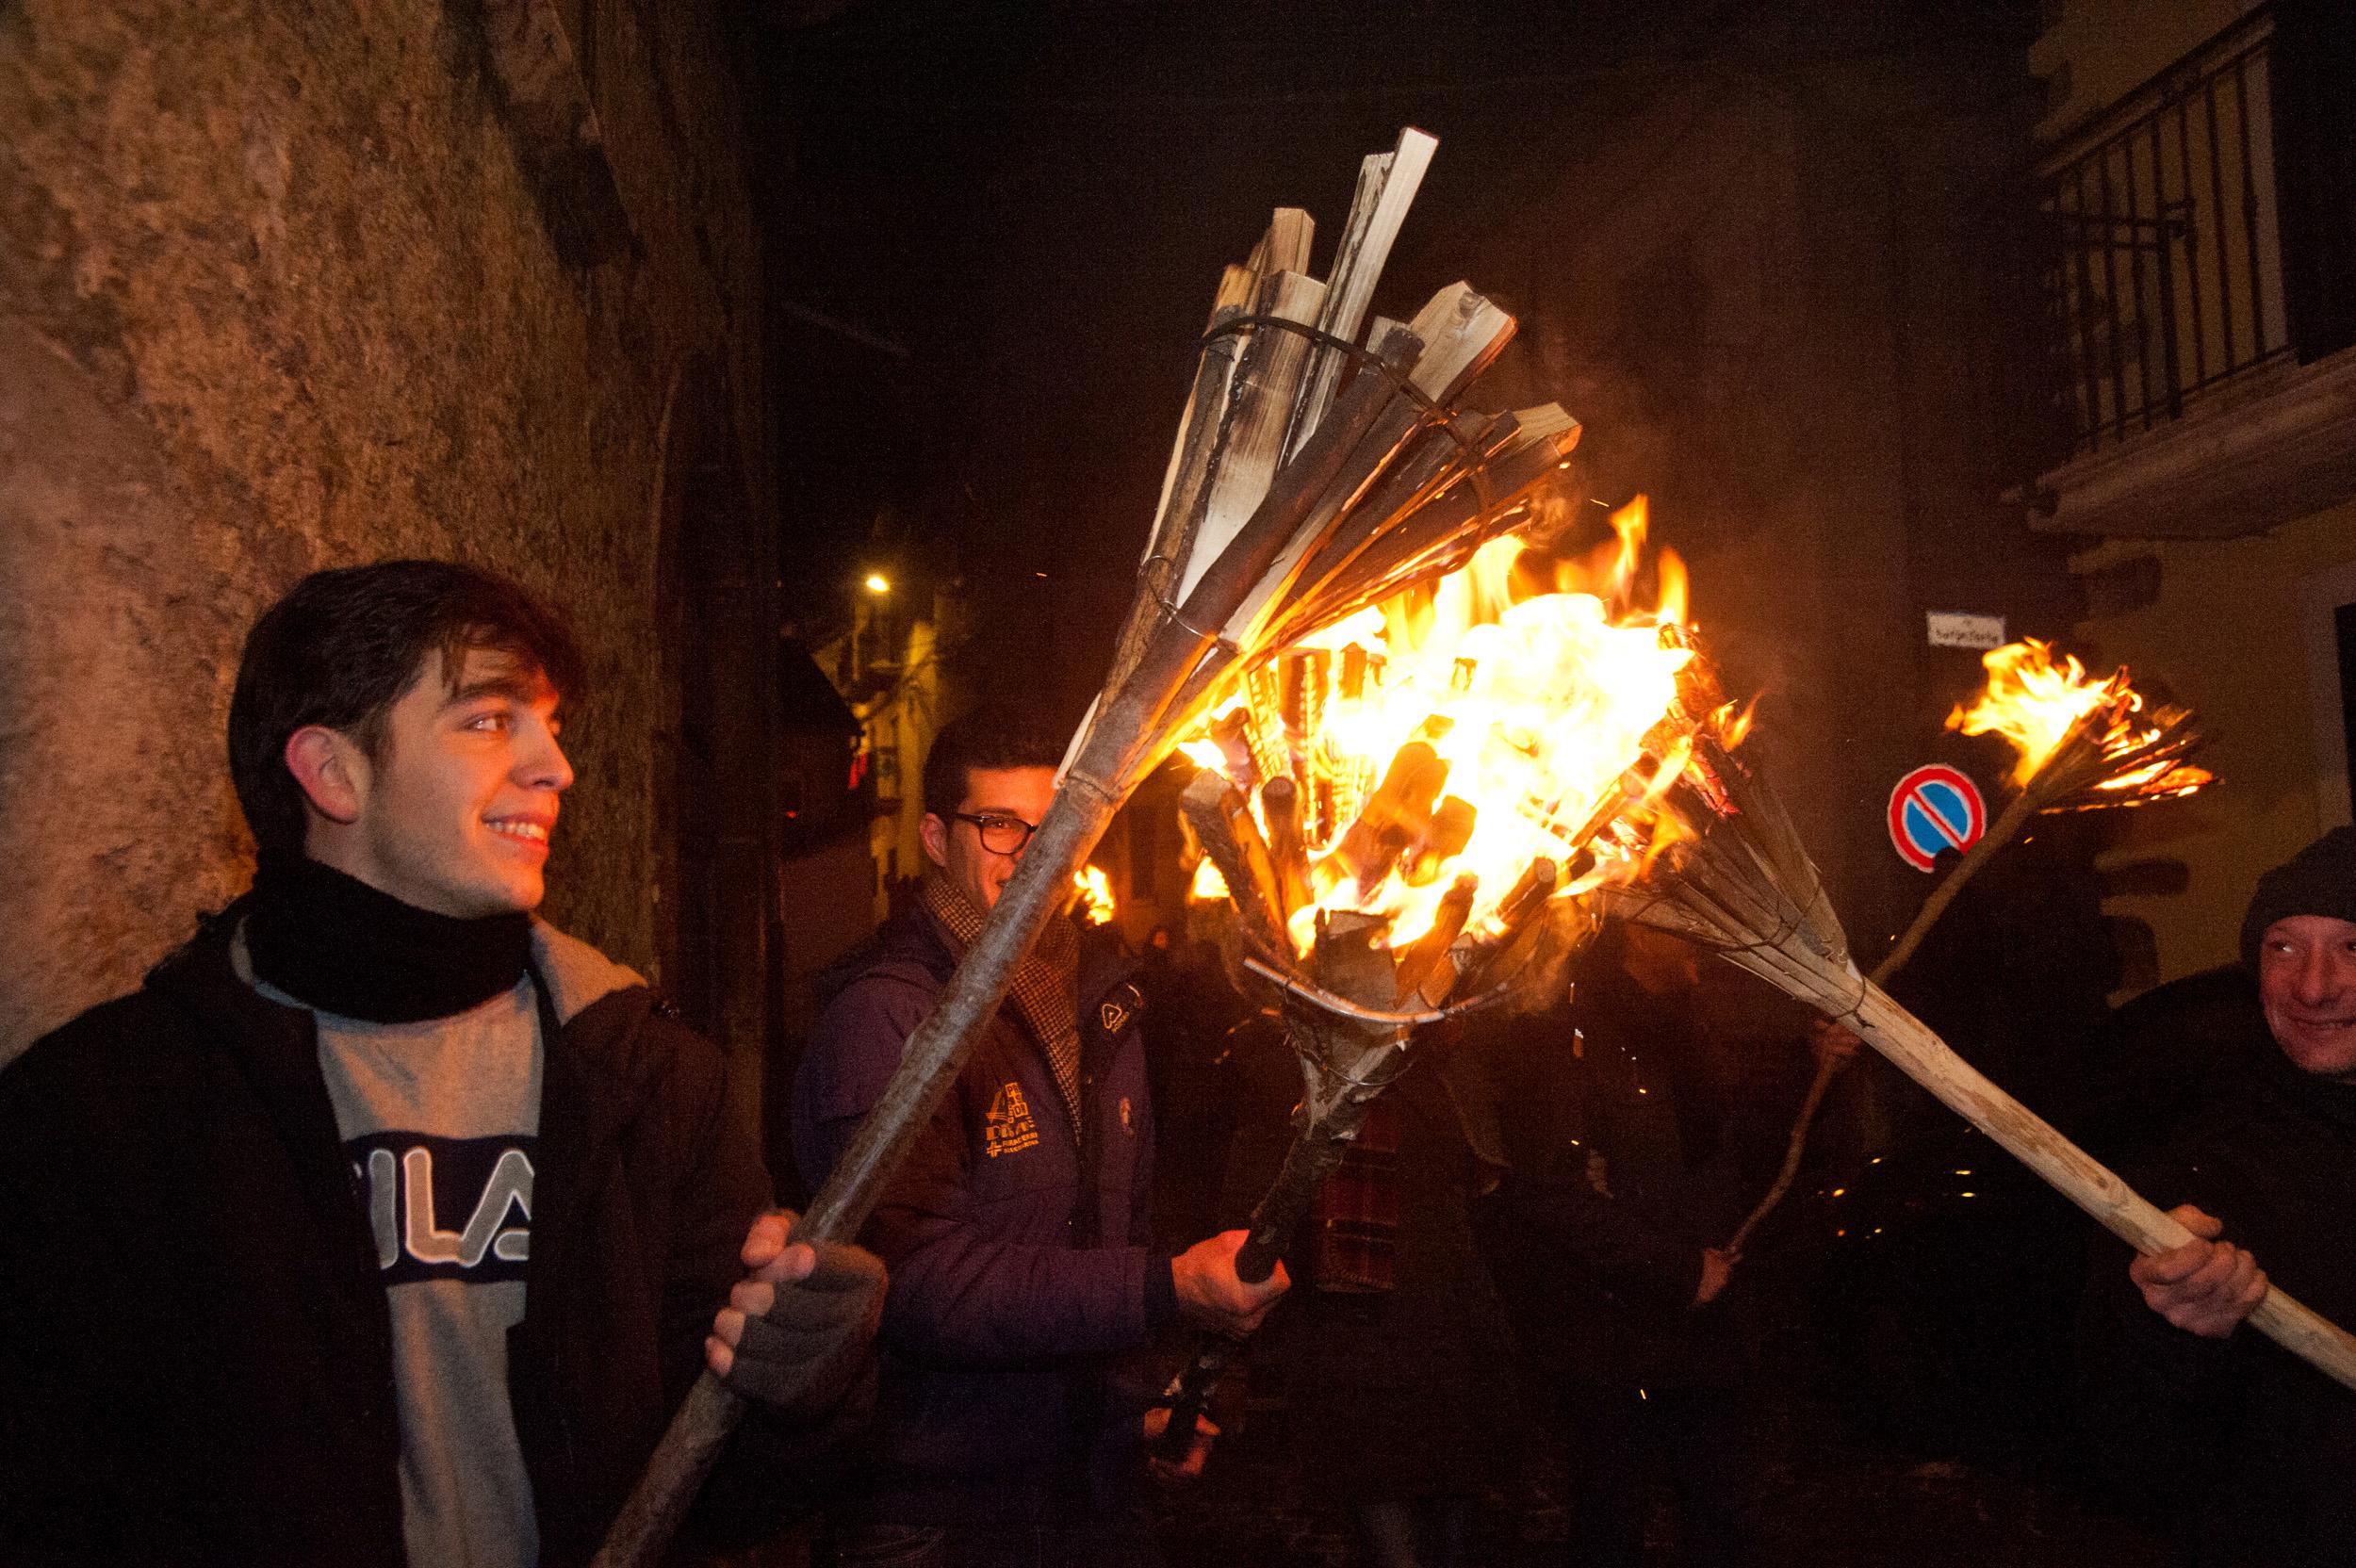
pixel 1021 1269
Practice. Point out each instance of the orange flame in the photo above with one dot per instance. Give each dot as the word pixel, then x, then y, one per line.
pixel 1096 894
pixel 2032 701
pixel 1469 729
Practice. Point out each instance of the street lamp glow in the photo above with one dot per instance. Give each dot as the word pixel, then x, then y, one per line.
pixel 879 583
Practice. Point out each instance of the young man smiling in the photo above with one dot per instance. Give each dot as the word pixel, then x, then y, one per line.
pixel 385 1224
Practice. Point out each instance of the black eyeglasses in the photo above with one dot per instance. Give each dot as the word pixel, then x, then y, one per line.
pixel 1001 834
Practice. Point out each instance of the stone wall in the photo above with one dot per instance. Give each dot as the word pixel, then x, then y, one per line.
pixel 280 288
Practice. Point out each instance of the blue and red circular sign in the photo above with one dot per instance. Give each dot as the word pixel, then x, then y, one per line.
pixel 1935 808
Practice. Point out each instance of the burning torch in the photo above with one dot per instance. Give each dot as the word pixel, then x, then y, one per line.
pixel 1738 880
pixel 1324 464
pixel 2080 744
pixel 1405 818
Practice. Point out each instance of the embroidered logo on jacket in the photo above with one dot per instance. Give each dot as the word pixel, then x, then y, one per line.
pixel 1008 1128
pixel 418 1186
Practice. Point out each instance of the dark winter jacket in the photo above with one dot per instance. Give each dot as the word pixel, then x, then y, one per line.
pixel 1020 1257
pixel 2259 1445
pixel 196 1362
pixel 1624 1167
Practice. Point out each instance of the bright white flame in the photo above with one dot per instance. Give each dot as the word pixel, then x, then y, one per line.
pixel 1466 732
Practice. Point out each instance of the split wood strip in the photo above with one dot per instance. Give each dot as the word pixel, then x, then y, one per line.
pixel 1423 473
pixel 1463 334
pixel 1387 183
pixel 1252 445
pixel 1186 490
pixel 1430 542
pixel 1284 247
pixel 1234 293
pixel 1183 663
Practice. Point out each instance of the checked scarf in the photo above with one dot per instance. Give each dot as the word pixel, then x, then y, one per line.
pixel 1046 983
pixel 1355 1211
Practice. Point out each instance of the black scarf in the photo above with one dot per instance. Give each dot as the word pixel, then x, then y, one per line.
pixel 333 943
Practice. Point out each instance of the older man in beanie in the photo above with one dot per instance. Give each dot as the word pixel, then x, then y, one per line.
pixel 2258 1448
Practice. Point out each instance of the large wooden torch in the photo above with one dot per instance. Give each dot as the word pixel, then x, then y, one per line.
pixel 1742 884
pixel 1405 816
pixel 1317 467
pixel 2081 746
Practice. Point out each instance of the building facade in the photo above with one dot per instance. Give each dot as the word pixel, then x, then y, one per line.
pixel 2191 219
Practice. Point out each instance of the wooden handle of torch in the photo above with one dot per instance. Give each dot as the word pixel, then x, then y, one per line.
pixel 2008 825
pixel 642 1533
pixel 1794 1146
pixel 1902 1037
pixel 1311 1158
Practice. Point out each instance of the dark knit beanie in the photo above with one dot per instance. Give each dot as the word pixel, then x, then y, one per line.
pixel 2318 880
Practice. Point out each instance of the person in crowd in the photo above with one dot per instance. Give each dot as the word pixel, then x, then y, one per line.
pixel 1194 1063
pixel 1394 1359
pixel 1018 1230
pixel 1630 1165
pixel 2248 1447
pixel 385 1224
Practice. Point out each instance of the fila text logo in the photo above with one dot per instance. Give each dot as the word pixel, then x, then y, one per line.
pixel 417 1188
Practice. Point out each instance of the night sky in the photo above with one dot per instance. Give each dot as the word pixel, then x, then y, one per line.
pixel 1035 202
pixel 995 230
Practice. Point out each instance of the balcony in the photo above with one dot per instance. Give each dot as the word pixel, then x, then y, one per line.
pixel 2194 251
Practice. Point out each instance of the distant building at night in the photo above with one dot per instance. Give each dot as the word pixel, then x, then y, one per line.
pixel 2193 223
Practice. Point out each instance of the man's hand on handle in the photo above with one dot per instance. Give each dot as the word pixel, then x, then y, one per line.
pixel 1832 1044
pixel 1717 1269
pixel 2205 1287
pixel 1213 1296
pixel 797 1330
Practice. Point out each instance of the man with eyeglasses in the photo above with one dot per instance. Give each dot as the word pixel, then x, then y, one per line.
pixel 1016 1233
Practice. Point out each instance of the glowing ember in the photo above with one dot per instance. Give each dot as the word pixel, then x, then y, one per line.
pixel 1096 894
pixel 1208 887
pixel 2033 701
pixel 1464 733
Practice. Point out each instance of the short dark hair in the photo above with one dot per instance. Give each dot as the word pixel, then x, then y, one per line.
pixel 341 649
pixel 995 735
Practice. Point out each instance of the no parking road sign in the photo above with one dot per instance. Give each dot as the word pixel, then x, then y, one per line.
pixel 1934 808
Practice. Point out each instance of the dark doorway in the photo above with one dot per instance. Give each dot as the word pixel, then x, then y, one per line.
pixel 714 782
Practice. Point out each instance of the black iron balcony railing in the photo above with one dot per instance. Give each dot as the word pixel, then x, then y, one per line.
pixel 2161 269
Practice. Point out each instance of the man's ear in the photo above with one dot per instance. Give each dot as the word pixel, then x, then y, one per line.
pixel 934 835
pixel 331 768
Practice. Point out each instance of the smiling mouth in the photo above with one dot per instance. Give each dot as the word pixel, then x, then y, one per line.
pixel 519 827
